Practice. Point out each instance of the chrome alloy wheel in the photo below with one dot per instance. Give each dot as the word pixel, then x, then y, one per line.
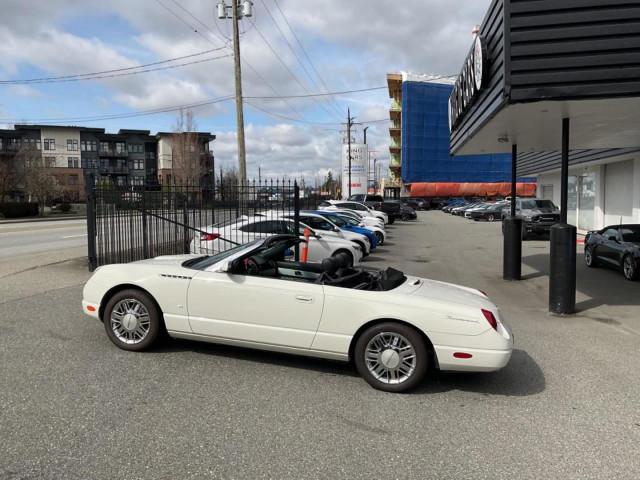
pixel 130 321
pixel 629 267
pixel 390 358
pixel 588 256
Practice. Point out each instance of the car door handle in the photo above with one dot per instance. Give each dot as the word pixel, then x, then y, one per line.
pixel 304 298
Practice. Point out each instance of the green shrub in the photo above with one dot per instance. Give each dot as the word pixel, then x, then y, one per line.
pixel 65 207
pixel 19 209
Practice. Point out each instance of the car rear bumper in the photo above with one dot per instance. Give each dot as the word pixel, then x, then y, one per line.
pixel 481 360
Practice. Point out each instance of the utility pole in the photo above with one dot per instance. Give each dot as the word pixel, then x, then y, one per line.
pixel 365 135
pixel 236 14
pixel 349 124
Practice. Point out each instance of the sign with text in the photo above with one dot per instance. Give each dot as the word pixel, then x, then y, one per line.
pixel 359 166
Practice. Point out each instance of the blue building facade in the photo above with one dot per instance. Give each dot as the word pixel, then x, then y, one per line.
pixel 425 142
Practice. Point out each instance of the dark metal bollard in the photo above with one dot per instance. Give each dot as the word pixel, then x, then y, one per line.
pixel 562 276
pixel 512 257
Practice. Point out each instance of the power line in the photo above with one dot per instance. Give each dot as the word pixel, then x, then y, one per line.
pixel 296 55
pixel 97 77
pixel 288 69
pixel 307 121
pixel 38 80
pixel 303 49
pixel 122 115
pixel 245 62
pixel 323 94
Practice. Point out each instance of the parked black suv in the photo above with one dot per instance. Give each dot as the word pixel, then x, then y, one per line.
pixel 538 215
pixel 377 202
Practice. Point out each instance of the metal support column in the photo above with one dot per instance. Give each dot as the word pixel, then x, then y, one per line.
pixel 562 275
pixel 296 216
pixel 512 230
pixel 90 193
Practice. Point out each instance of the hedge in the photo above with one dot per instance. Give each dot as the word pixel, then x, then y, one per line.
pixel 19 209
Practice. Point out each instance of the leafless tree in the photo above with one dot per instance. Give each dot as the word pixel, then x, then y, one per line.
pixel 186 159
pixel 12 174
pixel 41 184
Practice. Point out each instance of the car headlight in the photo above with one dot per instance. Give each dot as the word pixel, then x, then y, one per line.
pixel 528 219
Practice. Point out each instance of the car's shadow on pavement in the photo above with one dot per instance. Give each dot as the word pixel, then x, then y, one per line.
pixel 603 285
pixel 520 378
pixel 330 367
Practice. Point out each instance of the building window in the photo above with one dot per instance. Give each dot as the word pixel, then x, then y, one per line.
pixel 73 180
pixel 73 162
pixel 136 164
pixel 121 147
pixel 72 145
pixel 83 145
pixel 49 144
pixel 89 146
pixel 32 143
pixel 50 162
pixel 16 143
pixel 136 148
pixel 0 144
pixel 104 147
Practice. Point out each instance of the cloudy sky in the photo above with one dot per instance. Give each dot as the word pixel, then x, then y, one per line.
pixel 350 45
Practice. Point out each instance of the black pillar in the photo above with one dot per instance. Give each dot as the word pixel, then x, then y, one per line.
pixel 512 230
pixel 562 275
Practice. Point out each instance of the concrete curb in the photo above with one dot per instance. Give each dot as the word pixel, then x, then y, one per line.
pixel 41 219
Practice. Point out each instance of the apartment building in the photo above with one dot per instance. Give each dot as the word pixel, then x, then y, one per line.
pixel 128 157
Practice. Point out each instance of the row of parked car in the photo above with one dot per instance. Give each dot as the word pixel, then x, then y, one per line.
pixel 350 228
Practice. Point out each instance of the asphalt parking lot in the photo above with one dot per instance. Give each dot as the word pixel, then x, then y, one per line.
pixel 74 406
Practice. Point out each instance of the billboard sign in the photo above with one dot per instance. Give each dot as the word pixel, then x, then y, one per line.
pixel 359 167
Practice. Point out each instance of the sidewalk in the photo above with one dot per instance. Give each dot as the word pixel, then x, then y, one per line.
pixel 43 219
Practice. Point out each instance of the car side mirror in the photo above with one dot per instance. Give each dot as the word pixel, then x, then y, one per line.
pixel 612 238
pixel 225 268
pixel 336 229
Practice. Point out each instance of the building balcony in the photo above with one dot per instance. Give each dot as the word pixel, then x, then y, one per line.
pixel 113 153
pixel 396 160
pixel 395 131
pixel 115 169
pixel 395 114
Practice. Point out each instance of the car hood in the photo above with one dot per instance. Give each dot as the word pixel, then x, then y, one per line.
pixel 449 292
pixel 167 260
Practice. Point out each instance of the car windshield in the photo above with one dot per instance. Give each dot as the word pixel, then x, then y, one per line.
pixel 630 234
pixel 531 204
pixel 357 198
pixel 337 220
pixel 202 263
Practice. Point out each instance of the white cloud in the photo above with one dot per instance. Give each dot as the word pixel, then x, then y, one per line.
pixel 22 91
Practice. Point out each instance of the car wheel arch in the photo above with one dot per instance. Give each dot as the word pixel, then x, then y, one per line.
pixel 119 288
pixel 427 341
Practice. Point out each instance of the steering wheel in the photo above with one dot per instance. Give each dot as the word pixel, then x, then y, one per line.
pixel 252 266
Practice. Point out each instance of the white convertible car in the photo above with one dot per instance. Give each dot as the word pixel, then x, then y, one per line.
pixel 394 327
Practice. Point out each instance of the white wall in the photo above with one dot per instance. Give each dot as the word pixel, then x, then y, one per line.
pixel 60 135
pixel 164 152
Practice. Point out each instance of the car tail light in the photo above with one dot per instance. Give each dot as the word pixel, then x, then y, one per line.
pixel 462 355
pixel 207 237
pixel 490 318
pixel 379 206
pixel 484 293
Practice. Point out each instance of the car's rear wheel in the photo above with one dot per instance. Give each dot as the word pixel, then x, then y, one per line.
pixel 629 268
pixel 589 257
pixel 132 320
pixel 491 217
pixel 391 357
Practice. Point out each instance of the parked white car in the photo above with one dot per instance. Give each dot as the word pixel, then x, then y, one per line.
pixel 364 220
pixel 394 327
pixel 358 207
pixel 224 236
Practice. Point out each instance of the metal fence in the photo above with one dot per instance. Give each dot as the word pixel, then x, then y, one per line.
pixel 129 223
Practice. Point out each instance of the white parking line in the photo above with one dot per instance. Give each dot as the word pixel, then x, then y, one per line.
pixel 72 236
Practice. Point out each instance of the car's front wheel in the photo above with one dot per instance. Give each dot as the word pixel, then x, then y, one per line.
pixel 132 320
pixel 629 268
pixel 391 357
pixel 379 238
pixel 404 217
pixel 392 219
pixel 491 217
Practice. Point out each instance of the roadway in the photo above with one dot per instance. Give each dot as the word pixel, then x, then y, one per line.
pixel 17 239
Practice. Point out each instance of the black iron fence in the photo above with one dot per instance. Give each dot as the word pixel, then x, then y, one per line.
pixel 130 223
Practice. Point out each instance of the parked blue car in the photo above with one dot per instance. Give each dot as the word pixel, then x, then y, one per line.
pixel 345 225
